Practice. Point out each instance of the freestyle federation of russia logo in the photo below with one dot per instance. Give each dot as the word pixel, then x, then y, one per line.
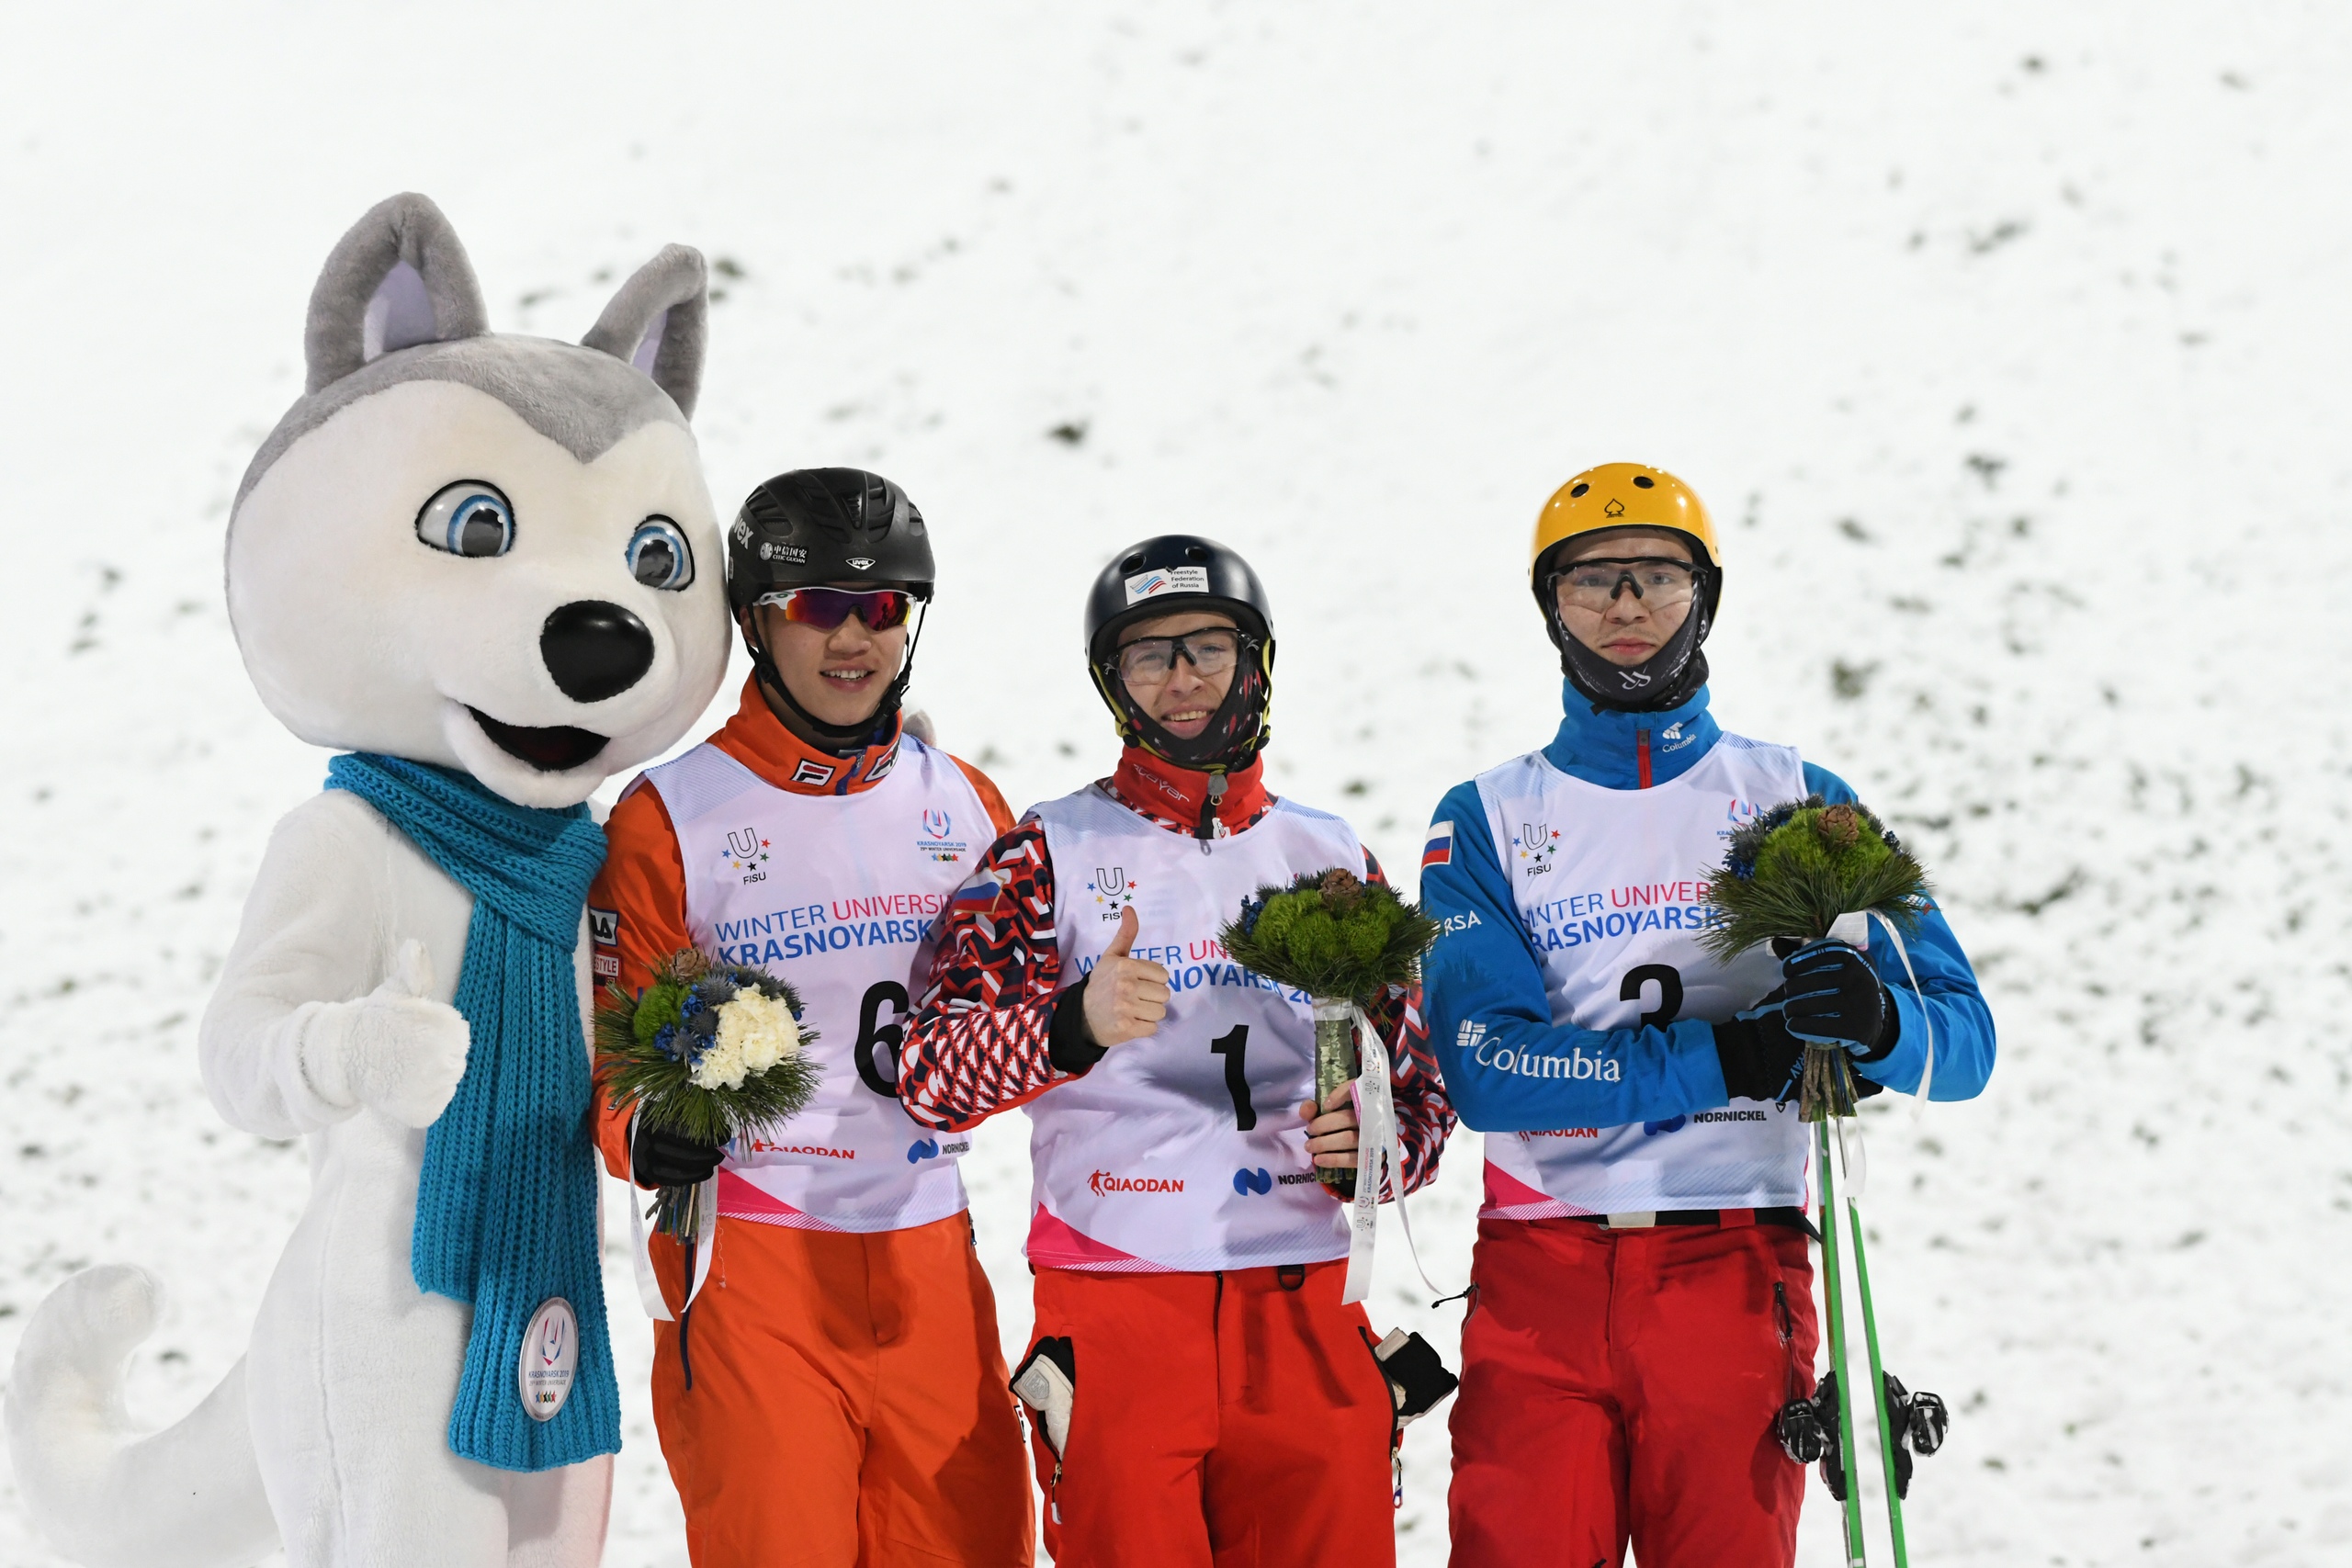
pixel 1169 580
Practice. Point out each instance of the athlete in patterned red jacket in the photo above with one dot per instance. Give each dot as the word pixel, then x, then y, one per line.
pixel 1196 1387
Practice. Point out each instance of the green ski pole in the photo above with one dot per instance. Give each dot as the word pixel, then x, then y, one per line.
pixel 1833 1290
pixel 1887 1440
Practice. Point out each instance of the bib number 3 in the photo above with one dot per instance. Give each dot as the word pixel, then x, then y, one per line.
pixel 1669 981
pixel 888 1035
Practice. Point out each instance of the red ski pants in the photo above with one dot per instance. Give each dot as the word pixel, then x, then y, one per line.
pixel 847 1408
pixel 1622 1385
pixel 1223 1420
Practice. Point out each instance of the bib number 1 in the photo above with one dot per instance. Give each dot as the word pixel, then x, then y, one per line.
pixel 1234 1047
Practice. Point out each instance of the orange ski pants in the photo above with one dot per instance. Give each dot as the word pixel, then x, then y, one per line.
pixel 848 1402
pixel 1226 1420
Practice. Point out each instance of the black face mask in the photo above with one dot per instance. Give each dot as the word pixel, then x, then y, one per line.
pixel 1666 679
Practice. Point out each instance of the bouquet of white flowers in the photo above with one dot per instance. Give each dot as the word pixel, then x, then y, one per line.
pixel 707 1051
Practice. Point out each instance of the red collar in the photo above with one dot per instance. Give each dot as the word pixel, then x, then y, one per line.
pixel 758 740
pixel 1172 797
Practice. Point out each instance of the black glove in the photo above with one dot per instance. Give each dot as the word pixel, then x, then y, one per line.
pixel 671 1159
pixel 1834 996
pixel 1069 1044
pixel 1759 1056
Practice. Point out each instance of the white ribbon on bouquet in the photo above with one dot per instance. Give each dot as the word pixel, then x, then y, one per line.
pixel 1379 1153
pixel 1853 929
pixel 649 1288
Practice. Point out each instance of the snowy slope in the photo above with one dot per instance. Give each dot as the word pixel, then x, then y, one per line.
pixel 2005 341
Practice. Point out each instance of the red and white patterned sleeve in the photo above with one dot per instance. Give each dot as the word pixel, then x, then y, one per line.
pixel 981 1039
pixel 1424 1115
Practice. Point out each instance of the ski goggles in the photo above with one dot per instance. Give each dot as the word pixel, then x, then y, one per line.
pixel 1657 581
pixel 1149 662
pixel 826 608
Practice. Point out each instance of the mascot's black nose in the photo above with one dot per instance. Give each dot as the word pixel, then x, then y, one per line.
pixel 596 650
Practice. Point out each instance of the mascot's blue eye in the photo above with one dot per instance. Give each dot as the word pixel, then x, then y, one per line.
pixel 658 555
pixel 469 518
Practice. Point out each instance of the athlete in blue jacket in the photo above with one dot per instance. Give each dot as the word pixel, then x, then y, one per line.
pixel 1643 1301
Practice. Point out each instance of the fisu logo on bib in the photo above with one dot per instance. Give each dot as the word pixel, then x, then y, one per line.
pixel 1112 890
pixel 746 852
pixel 1537 842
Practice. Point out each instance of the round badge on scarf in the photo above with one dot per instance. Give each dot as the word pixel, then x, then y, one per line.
pixel 550 1359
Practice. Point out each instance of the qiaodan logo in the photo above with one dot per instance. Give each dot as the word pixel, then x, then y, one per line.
pixel 1103 1183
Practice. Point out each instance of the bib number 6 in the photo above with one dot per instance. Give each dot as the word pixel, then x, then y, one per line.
pixel 889 1035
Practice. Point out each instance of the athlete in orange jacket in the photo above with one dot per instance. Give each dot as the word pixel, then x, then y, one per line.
pixel 834 1394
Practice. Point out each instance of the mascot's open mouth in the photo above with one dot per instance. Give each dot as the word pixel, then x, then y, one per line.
pixel 555 750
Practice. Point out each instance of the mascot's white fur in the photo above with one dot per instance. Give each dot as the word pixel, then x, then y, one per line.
pixel 568 630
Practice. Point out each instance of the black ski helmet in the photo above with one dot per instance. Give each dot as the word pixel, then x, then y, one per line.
pixel 814 527
pixel 1170 574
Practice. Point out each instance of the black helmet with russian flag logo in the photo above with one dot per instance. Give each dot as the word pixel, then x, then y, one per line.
pixel 1171 574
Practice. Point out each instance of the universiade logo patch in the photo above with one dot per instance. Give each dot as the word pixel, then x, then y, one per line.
pixel 1103 1183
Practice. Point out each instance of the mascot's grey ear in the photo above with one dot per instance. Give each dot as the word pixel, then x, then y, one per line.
pixel 657 323
pixel 399 278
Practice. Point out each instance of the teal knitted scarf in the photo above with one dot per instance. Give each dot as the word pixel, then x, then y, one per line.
pixel 506 1206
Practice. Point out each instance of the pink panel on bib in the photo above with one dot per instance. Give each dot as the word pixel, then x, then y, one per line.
pixel 1054 1244
pixel 739 1200
pixel 1508 1198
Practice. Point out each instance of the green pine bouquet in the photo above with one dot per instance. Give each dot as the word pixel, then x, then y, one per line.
pixel 1342 941
pixel 1786 878
pixel 707 1051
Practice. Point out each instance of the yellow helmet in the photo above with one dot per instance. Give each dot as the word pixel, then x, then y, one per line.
pixel 1612 498
pixel 1621 495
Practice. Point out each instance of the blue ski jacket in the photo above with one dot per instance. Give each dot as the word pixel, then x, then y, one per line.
pixel 1484 970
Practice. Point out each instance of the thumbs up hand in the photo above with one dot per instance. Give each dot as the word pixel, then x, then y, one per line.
pixel 394 1049
pixel 1125 998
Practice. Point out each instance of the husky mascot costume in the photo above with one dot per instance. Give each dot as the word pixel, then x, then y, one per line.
pixel 485 569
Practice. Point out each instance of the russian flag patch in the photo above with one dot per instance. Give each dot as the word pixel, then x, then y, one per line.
pixel 1439 851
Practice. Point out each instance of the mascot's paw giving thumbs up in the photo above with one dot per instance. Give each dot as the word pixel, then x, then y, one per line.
pixel 395 1050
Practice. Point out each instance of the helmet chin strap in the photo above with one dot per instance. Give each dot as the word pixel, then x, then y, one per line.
pixel 839 739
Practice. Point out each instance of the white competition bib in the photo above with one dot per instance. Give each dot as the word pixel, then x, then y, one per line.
pixel 1608 885
pixel 837 894
pixel 1185 1150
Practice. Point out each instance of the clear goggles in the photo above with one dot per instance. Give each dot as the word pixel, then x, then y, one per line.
pixel 1658 581
pixel 1149 662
